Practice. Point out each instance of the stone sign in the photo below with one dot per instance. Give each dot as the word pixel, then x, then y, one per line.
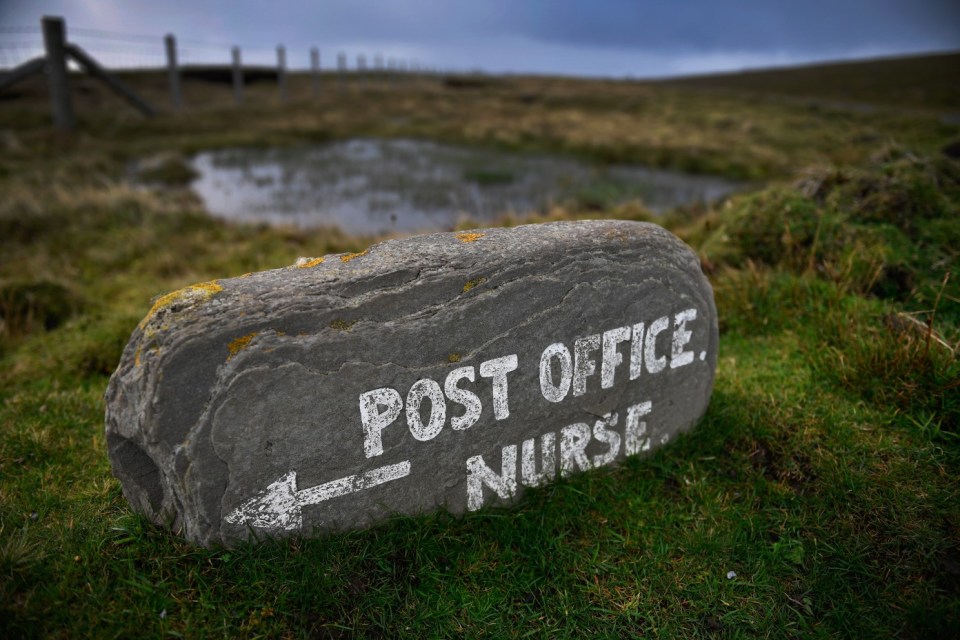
pixel 450 371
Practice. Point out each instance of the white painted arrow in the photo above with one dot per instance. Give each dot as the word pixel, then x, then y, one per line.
pixel 279 505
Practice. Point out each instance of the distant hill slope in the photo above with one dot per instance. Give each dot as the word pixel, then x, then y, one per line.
pixel 926 81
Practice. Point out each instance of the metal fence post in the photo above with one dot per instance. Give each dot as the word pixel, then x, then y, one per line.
pixel 54 40
pixel 342 70
pixel 237 77
pixel 282 73
pixel 377 69
pixel 175 96
pixel 315 70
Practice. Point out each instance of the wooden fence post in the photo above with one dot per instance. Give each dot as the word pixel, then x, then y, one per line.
pixel 54 40
pixel 175 96
pixel 342 70
pixel 315 70
pixel 93 67
pixel 282 73
pixel 237 77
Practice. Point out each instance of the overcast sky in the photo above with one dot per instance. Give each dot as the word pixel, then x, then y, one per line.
pixel 638 38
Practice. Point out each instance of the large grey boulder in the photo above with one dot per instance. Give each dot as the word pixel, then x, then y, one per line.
pixel 450 371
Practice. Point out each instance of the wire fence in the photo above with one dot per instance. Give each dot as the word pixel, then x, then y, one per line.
pixel 18 44
pixel 130 51
pixel 54 50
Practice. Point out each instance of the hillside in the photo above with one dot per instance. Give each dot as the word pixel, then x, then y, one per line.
pixel 923 81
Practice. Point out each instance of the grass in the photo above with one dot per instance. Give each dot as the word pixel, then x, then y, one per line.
pixel 824 473
pixel 486 177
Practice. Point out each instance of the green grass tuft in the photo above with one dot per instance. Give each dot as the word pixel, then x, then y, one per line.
pixel 487 177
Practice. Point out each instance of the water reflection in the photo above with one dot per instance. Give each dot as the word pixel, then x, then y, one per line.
pixel 377 186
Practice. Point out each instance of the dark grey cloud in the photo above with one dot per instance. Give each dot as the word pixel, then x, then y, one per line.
pixel 744 25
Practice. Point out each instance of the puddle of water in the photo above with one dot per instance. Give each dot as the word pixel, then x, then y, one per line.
pixel 373 186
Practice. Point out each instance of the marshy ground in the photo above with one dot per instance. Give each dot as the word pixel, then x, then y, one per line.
pixel 824 473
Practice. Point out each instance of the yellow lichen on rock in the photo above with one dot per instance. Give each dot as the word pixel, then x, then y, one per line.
pixel 473 283
pixel 350 256
pixel 466 236
pixel 190 295
pixel 138 356
pixel 306 263
pixel 342 325
pixel 239 344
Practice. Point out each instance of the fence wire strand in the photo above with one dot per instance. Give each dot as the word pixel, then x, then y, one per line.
pixel 24 29
pixel 116 50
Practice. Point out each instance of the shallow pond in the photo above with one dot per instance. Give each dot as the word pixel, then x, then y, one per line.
pixel 372 186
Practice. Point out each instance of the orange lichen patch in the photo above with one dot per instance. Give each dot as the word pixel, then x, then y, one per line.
pixel 466 236
pixel 138 356
pixel 473 283
pixel 454 357
pixel 191 295
pixel 239 344
pixel 306 263
pixel 351 256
